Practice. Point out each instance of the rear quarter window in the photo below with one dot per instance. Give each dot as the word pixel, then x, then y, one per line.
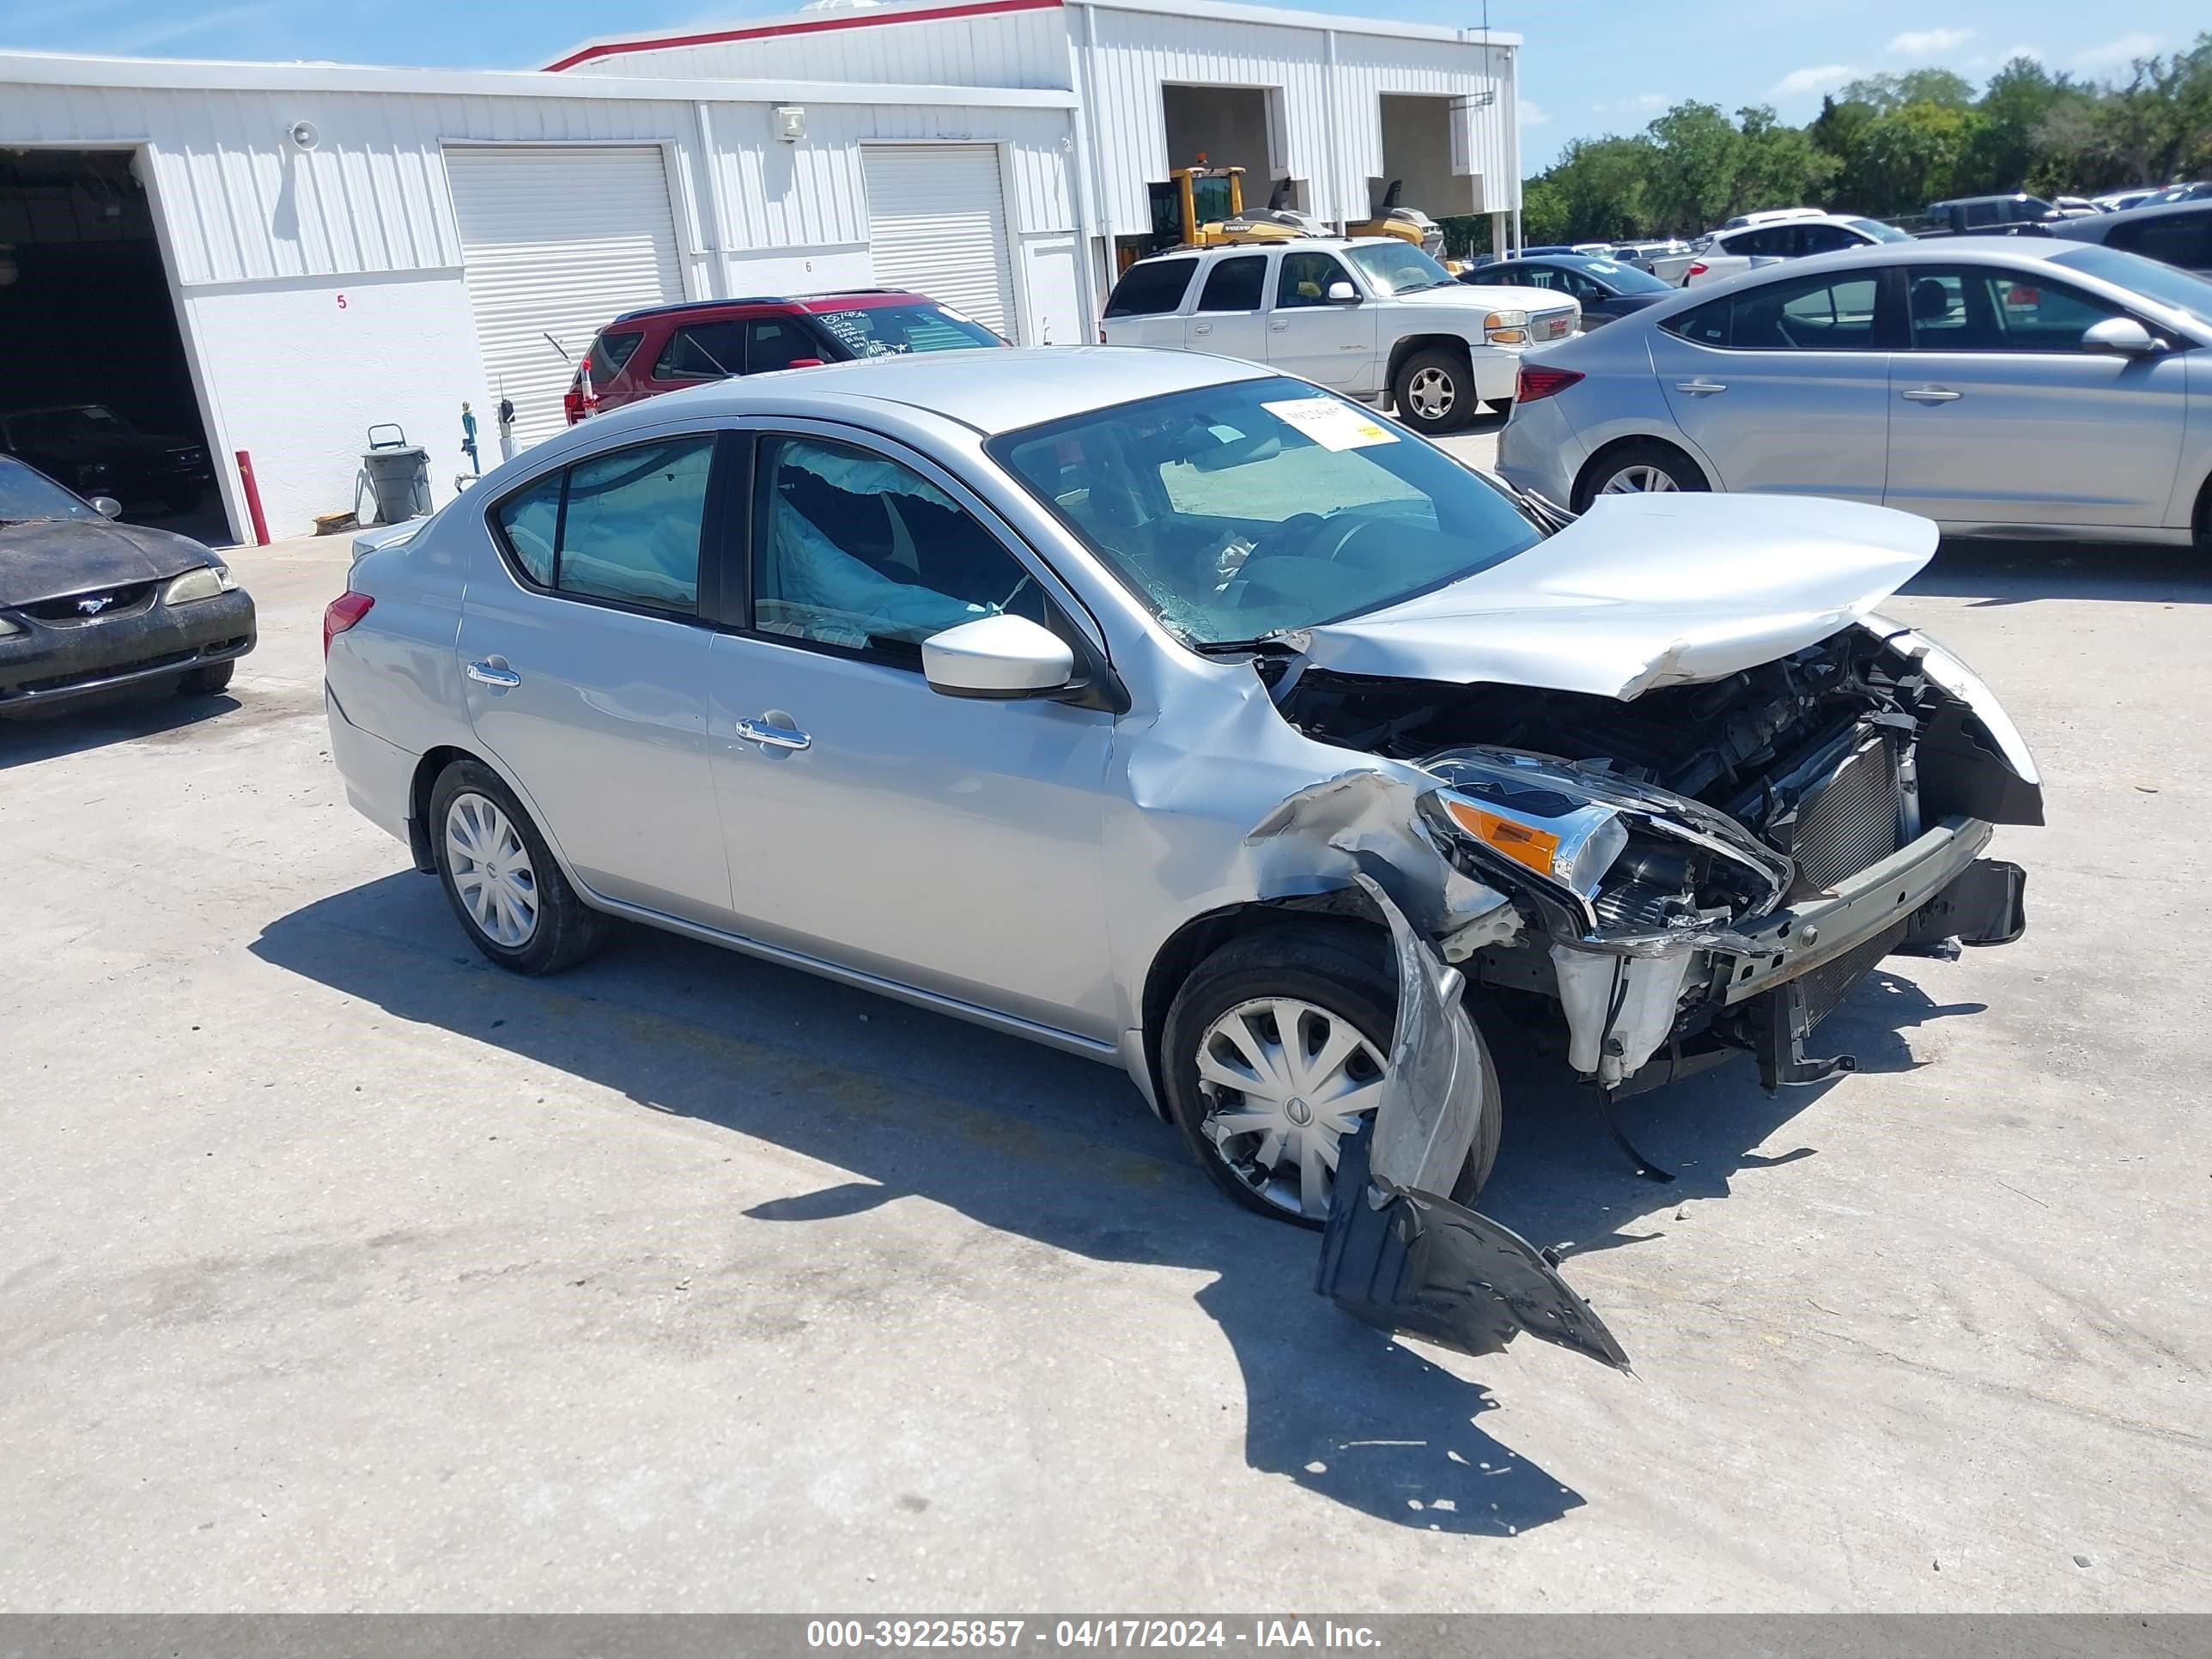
pixel 609 352
pixel 1706 324
pixel 1151 286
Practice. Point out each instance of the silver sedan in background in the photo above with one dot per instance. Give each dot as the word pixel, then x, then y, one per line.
pixel 1996 384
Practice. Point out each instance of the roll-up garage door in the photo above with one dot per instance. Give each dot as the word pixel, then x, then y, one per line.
pixel 936 223
pixel 557 242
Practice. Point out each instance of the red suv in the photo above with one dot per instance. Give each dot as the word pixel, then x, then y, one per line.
pixel 642 354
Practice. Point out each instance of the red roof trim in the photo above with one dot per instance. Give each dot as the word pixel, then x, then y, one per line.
pixel 867 19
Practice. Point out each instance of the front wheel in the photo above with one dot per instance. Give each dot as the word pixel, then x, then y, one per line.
pixel 501 878
pixel 1645 467
pixel 1434 390
pixel 1275 1049
pixel 206 681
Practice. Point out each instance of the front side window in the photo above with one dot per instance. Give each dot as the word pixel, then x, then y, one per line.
pixel 1530 276
pixel 702 351
pixel 1242 510
pixel 1874 231
pixel 1304 280
pixel 856 550
pixel 2183 290
pixel 1150 287
pixel 1970 308
pixel 1826 238
pixel 624 525
pixel 1234 285
pixel 774 342
pixel 2176 239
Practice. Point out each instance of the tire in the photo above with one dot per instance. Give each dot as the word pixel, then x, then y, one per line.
pixel 1340 970
pixel 205 681
pixel 1440 380
pixel 1648 455
pixel 562 930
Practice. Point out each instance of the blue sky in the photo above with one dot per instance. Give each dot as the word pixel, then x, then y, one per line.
pixel 1588 68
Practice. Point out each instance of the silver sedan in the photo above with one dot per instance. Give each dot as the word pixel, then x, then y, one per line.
pixel 1996 384
pixel 1190 718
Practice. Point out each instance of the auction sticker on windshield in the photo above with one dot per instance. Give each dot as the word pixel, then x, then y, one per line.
pixel 1331 424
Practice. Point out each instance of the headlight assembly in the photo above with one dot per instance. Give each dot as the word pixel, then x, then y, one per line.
pixel 1523 810
pixel 1506 328
pixel 209 582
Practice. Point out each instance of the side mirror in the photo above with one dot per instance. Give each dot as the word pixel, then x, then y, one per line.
pixel 999 657
pixel 2122 334
pixel 107 507
pixel 803 363
pixel 1341 293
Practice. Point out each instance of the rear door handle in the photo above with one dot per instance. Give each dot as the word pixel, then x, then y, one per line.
pixel 773 736
pixel 1278 328
pixel 1700 387
pixel 1932 394
pixel 493 673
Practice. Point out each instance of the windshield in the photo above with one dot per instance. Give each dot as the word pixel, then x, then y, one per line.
pixel 2168 284
pixel 1239 510
pixel 1879 231
pixel 26 493
pixel 1398 268
pixel 1626 279
pixel 889 330
pixel 45 426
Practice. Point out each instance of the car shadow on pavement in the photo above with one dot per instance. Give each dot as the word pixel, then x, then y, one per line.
pixel 2002 572
pixel 1060 1150
pixel 128 713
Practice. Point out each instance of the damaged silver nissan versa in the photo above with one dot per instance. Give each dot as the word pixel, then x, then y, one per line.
pixel 1190 718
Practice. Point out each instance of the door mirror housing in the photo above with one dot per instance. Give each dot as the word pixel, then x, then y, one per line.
pixel 1341 293
pixel 2122 335
pixel 1002 657
pixel 107 507
pixel 803 363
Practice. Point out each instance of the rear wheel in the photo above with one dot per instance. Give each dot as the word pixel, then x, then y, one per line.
pixel 1275 1049
pixel 1434 390
pixel 502 879
pixel 205 681
pixel 1647 466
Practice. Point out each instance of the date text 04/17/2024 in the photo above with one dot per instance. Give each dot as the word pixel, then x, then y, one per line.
pixel 897 1633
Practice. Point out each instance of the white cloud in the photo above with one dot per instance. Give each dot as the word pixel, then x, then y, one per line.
pixel 1928 43
pixel 1643 103
pixel 1532 114
pixel 2118 54
pixel 1822 77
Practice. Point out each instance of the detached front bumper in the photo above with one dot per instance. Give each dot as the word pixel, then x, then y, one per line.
pixel 49 662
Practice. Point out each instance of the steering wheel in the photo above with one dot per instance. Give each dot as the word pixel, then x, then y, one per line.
pixel 1339 534
pixel 1287 539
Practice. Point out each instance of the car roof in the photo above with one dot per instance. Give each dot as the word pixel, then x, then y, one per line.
pixel 1796 219
pixel 1968 201
pixel 845 297
pixel 2143 213
pixel 1296 243
pixel 991 392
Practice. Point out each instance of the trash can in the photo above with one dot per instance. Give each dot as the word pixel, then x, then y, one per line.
pixel 398 476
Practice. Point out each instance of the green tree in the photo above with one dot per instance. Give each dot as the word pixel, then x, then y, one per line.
pixel 2016 107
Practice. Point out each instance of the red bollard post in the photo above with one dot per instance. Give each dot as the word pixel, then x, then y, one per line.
pixel 252 499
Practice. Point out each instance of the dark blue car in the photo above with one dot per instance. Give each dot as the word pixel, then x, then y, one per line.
pixel 1607 288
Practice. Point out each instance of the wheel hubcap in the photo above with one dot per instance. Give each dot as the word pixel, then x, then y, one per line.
pixel 1285 1081
pixel 491 870
pixel 1432 393
pixel 1639 481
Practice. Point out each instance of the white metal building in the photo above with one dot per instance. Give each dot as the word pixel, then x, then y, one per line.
pixel 269 257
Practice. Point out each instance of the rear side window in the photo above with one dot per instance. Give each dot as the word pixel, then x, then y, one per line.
pixel 608 354
pixel 1806 314
pixel 2177 239
pixel 624 525
pixel 702 351
pixel 1151 286
pixel 1234 285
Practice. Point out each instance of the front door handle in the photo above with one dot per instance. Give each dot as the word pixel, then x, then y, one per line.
pixel 1202 328
pixel 1932 394
pixel 1701 387
pixel 493 673
pixel 773 736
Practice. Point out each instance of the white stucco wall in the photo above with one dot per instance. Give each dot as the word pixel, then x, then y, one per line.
pixel 294 378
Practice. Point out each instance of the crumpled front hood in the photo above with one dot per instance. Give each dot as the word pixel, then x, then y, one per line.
pixel 46 558
pixel 1644 591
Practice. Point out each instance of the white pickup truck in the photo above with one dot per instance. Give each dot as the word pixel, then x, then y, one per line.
pixel 1368 316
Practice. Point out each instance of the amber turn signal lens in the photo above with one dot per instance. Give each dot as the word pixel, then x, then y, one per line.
pixel 1535 848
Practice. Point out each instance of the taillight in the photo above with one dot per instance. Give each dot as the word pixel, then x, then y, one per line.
pixel 1697 268
pixel 576 404
pixel 1537 381
pixel 343 613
